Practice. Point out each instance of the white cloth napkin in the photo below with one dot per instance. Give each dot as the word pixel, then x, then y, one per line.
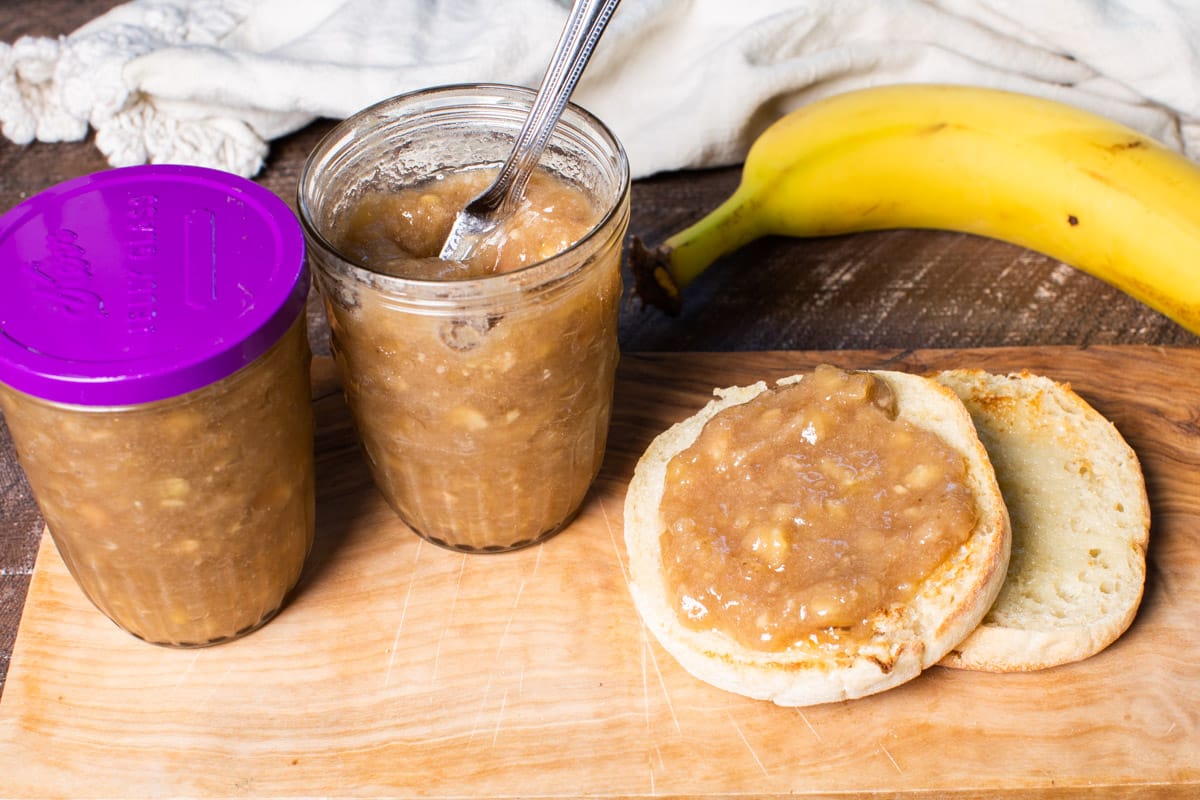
pixel 683 83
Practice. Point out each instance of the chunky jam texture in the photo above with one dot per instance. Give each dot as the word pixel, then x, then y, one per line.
pixel 799 515
pixel 188 520
pixel 401 233
pixel 484 427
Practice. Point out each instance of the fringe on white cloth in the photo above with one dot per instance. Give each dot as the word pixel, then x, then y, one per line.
pixel 683 83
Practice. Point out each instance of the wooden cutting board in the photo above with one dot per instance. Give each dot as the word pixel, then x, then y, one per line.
pixel 400 669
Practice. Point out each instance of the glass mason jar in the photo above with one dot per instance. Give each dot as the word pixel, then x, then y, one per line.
pixel 482 404
pixel 154 374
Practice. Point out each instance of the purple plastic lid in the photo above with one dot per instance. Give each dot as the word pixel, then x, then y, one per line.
pixel 142 283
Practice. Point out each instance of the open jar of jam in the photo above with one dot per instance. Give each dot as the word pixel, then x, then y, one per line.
pixel 481 390
pixel 154 374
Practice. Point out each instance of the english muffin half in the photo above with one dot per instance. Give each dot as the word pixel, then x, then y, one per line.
pixel 805 654
pixel 1080 522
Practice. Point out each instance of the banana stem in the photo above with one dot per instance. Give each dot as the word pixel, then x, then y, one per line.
pixel 734 223
pixel 661 273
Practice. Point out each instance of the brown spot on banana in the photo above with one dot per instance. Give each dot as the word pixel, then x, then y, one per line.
pixel 1128 144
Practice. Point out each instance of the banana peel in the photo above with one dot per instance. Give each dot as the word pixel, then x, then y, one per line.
pixel 1037 173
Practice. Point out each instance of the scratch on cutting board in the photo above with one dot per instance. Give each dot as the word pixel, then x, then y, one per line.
pixel 889 758
pixel 412 579
pixel 612 537
pixel 804 717
pixel 437 654
pixel 537 562
pixel 191 666
pixel 217 684
pixel 499 716
pixel 487 692
pixel 511 616
pixel 662 767
pixel 648 649
pixel 645 679
pixel 746 742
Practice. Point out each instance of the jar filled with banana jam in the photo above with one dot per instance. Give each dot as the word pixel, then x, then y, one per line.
pixel 154 374
pixel 481 389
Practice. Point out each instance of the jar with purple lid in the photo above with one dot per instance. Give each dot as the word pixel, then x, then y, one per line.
pixel 154 374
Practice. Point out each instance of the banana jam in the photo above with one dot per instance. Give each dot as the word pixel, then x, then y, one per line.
pixel 188 520
pixel 485 424
pixel 797 516
pixel 401 232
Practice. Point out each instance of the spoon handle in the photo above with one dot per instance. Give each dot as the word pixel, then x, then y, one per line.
pixel 584 26
pixel 583 29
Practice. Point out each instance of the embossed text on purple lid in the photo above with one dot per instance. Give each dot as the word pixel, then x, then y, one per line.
pixel 142 283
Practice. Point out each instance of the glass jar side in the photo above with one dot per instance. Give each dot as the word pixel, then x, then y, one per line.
pixel 482 430
pixel 483 405
pixel 187 520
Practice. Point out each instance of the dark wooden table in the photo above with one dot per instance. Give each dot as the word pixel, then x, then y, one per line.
pixel 902 289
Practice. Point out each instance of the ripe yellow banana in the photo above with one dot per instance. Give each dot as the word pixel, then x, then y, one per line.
pixel 1041 174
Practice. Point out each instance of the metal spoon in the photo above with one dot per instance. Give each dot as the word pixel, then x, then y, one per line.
pixel 482 215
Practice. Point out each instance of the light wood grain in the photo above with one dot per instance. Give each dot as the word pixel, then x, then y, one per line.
pixel 403 670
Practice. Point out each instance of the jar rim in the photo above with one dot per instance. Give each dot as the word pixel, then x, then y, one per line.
pixel 538 273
